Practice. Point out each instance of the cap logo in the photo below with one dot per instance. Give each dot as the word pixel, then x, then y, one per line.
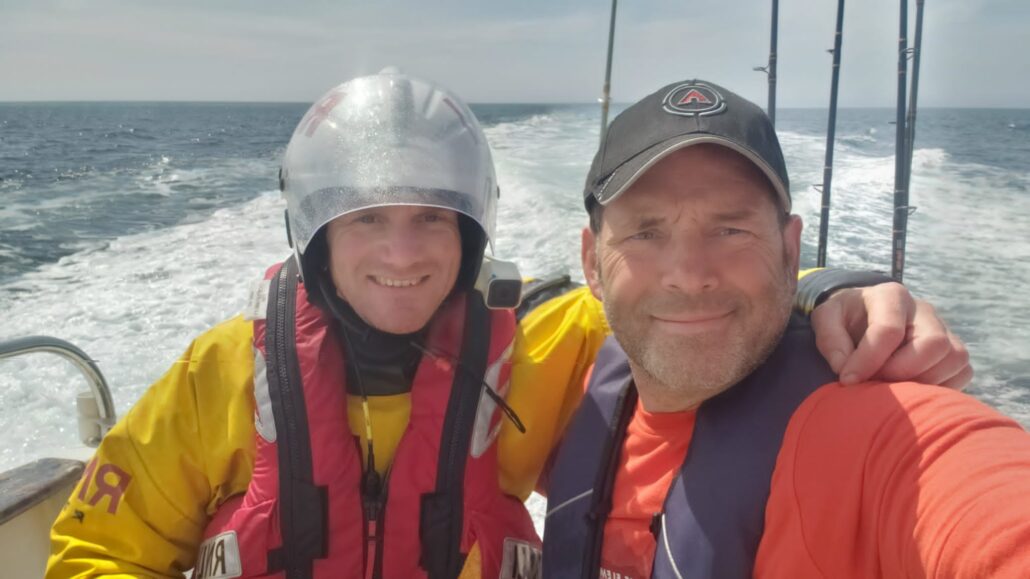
pixel 693 99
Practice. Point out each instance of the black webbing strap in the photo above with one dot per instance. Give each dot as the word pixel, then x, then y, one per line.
pixel 817 286
pixel 604 485
pixel 442 513
pixel 302 505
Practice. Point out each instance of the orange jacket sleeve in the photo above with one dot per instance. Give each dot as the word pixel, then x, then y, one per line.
pixel 899 480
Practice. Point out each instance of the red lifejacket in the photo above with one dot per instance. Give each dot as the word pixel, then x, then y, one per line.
pixel 323 510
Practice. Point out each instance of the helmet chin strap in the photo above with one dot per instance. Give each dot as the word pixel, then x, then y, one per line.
pixel 348 317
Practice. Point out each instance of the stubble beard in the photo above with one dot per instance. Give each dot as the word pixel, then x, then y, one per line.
pixel 695 368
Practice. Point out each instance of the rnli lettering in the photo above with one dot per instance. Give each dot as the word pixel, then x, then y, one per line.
pixel 609 574
pixel 219 558
pixel 521 560
pixel 87 478
pixel 110 481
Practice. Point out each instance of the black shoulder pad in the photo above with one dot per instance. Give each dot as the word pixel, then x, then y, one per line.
pixel 814 288
pixel 538 291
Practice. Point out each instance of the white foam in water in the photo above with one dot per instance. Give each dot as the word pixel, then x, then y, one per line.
pixel 541 164
pixel 968 253
pixel 134 307
pixel 134 304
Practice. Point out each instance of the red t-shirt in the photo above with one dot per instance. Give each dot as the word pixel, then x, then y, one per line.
pixel 878 480
pixel 654 449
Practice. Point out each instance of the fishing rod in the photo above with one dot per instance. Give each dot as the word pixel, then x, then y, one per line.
pixel 770 69
pixel 901 155
pixel 606 91
pixel 902 209
pixel 910 122
pixel 831 131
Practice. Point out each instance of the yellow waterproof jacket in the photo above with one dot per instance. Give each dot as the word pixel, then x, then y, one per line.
pixel 188 443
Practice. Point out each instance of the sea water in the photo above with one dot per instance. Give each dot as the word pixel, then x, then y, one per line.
pixel 129 228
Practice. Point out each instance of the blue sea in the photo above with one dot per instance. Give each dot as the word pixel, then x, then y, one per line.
pixel 128 228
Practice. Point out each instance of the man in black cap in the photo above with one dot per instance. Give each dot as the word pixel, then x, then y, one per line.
pixel 713 440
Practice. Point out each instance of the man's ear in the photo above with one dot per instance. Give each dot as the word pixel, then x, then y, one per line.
pixel 591 269
pixel 792 243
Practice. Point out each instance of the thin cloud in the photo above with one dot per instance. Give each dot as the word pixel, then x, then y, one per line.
pixel 535 51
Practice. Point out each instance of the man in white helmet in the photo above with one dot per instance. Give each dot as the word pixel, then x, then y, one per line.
pixel 353 422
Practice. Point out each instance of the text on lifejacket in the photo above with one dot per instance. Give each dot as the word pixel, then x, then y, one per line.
pixel 521 560
pixel 219 558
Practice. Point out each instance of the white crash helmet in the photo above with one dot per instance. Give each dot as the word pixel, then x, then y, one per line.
pixel 388 139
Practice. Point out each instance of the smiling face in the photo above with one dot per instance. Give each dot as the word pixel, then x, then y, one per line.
pixel 395 265
pixel 696 267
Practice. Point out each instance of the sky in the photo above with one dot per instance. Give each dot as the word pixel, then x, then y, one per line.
pixel 543 51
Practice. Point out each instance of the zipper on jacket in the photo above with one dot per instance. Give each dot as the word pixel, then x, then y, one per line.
pixel 373 505
pixel 373 537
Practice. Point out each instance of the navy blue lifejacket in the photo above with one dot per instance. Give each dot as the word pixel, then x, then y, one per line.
pixel 714 513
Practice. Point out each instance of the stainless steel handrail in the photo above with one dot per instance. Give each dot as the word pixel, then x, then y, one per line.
pixel 97 384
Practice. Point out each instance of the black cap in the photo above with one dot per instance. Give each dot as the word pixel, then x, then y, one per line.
pixel 682 114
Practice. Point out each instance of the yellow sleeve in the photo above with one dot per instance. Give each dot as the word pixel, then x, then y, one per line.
pixel 160 473
pixel 555 346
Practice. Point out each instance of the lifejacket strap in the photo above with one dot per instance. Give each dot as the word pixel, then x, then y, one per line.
pixel 303 506
pixel 604 485
pixel 442 512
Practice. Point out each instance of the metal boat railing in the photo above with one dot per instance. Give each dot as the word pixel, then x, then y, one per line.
pixel 96 412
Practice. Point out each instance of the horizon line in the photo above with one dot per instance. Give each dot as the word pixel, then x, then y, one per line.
pixel 471 103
